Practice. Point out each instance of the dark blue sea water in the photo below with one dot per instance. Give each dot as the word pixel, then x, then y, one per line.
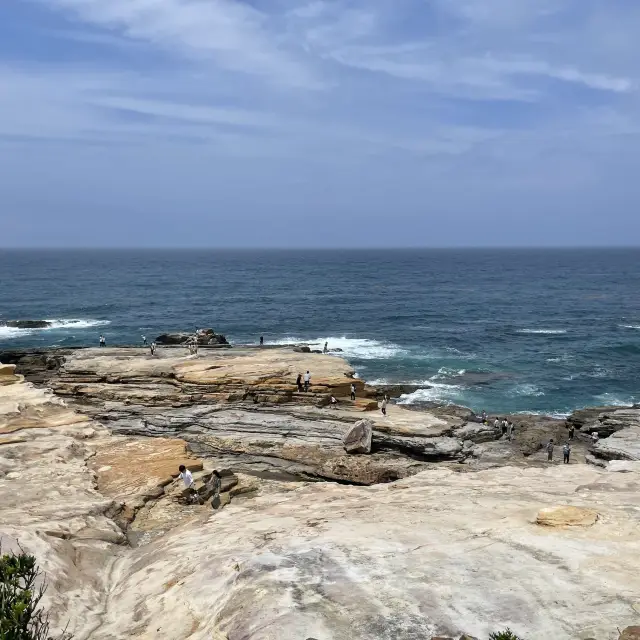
pixel 505 330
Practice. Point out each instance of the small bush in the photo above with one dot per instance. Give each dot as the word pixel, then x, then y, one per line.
pixel 20 615
pixel 507 634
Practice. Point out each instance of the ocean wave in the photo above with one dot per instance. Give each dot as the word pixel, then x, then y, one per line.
pixel 559 415
pixel 630 326
pixel 437 392
pixel 359 348
pixel 447 372
pixel 550 332
pixel 9 333
pixel 615 400
pixel 525 390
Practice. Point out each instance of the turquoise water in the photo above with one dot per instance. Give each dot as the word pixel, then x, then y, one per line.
pixel 504 330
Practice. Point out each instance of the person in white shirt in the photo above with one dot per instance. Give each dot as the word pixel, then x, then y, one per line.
pixel 383 406
pixel 334 402
pixel 186 477
pixel 307 381
pixel 353 391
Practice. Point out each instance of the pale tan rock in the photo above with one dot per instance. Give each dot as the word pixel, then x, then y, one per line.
pixel 566 516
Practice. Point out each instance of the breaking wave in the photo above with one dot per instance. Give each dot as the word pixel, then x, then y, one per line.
pixel 549 332
pixel 359 348
pixel 8 333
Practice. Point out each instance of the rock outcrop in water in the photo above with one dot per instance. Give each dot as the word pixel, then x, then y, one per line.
pixel 26 324
pixel 205 337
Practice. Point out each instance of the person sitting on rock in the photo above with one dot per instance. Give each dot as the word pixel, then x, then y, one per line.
pixel 215 485
pixel 333 402
pixel 550 450
pixel 594 437
pixel 353 391
pixel 307 380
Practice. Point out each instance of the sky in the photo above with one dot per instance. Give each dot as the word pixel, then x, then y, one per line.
pixel 347 123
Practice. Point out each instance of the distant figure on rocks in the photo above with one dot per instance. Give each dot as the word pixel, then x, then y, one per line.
pixel 326 347
pixel 496 424
pixel 334 402
pixel 572 430
pixel 299 382
pixel 216 484
pixel 152 348
pixel 307 380
pixel 190 493
pixel 484 416
pixel 383 406
pixel 353 391
pixel 594 437
pixel 566 452
pixel 510 431
pixel 262 341
pixel 550 450
pixel 144 341
pixel 504 426
pixel 103 342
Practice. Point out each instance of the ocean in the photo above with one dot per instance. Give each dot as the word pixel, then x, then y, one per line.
pixel 542 331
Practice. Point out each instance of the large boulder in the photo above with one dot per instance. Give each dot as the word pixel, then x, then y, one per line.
pixel 358 437
pixel 206 337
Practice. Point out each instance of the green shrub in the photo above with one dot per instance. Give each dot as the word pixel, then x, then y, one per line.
pixel 20 615
pixel 507 634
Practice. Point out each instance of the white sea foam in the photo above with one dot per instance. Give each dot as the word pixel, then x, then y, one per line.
pixel 9 333
pixel 438 392
pixel 615 400
pixel 359 348
pixel 550 332
pixel 525 390
pixel 631 326
pixel 447 372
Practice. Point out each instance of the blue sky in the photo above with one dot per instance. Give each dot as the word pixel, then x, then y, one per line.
pixel 322 123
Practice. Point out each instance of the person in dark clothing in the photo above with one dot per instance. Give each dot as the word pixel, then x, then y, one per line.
pixel 550 451
pixel 299 382
pixel 261 341
pixel 572 430
pixel 566 452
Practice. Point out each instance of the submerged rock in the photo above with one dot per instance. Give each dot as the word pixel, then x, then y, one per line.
pixel 27 324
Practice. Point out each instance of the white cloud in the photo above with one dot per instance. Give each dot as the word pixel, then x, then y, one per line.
pixel 232 34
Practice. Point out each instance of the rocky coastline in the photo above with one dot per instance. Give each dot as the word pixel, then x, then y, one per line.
pixel 349 524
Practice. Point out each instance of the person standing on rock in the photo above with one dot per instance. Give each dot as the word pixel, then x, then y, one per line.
pixel 262 341
pixel 326 347
pixel 510 431
pixel 566 452
pixel 103 342
pixel 144 341
pixel 299 382
pixel 307 380
pixel 353 391
pixel 550 450
pixel 383 406
pixel 484 417
pixel 504 426
pixel 496 424
pixel 152 348
pixel 572 430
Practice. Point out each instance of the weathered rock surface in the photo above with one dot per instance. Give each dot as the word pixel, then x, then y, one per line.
pixel 622 445
pixel 205 337
pixel 566 516
pixel 414 559
pixel 358 437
